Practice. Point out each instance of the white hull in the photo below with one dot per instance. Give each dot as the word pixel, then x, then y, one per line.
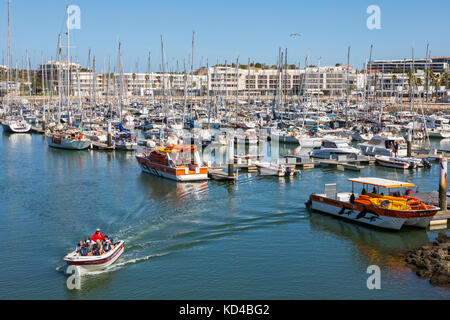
pixel 14 127
pixel 271 171
pixel 397 163
pixel 333 153
pixel 69 144
pixel 127 146
pixel 309 142
pixel 375 151
pixel 369 218
pixel 88 264
pixel 439 134
pixel 181 178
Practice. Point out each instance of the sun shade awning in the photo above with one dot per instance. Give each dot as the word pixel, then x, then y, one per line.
pixel 384 183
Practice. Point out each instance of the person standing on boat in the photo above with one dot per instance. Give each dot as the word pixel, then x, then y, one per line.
pixel 395 149
pixel 98 236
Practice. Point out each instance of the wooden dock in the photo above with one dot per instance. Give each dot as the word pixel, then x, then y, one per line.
pixel 37 130
pixel 95 145
pixel 221 175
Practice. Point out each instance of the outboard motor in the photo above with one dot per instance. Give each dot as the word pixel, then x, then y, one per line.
pixel 308 203
pixel 426 163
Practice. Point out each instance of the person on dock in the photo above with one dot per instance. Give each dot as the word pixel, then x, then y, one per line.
pixel 98 236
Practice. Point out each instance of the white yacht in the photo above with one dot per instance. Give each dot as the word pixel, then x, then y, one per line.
pixel 331 149
pixel 274 169
pixel 16 126
pixel 383 145
pixel 440 132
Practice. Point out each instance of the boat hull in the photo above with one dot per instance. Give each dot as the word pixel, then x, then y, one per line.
pixel 393 220
pixel 96 263
pixel 16 129
pixel 171 173
pixel 68 145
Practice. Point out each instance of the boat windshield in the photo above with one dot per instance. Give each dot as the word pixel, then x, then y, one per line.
pixel 182 158
pixel 342 145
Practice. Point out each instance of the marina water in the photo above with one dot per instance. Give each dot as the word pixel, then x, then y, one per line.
pixel 211 240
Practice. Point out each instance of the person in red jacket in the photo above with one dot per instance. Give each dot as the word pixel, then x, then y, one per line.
pixel 98 236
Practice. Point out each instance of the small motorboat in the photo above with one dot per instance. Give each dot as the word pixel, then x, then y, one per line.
pixel 95 263
pixel 402 162
pixel 274 169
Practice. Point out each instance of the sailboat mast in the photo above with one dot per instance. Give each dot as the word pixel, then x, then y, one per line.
pixel 68 59
pixel 59 78
pixel 192 73
pixel 8 76
pixel 348 89
pixel 120 82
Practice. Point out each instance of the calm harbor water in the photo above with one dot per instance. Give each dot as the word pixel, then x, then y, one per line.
pixel 249 240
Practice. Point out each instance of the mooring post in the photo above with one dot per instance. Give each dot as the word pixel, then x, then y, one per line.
pixel 443 184
pixel 109 137
pixel 408 145
pixel 230 156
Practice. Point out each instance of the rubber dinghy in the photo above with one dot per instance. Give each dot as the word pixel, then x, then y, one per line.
pixel 95 263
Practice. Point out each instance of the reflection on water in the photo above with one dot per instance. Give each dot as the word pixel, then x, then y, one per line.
pixel 372 246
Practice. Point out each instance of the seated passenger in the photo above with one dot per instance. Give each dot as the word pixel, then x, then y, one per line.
pixel 89 244
pixel 79 246
pixel 95 250
pixel 107 246
pixel 374 190
pixel 363 192
pixel 352 198
pixel 84 250
pixel 99 247
pixel 105 240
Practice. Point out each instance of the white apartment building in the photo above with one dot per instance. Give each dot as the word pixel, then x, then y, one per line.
pixel 88 83
pixel 226 81
pixel 267 82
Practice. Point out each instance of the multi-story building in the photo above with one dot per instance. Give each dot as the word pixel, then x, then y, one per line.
pixel 439 64
pixel 227 81
pixel 268 82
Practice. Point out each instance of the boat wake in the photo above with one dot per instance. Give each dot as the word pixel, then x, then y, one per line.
pixel 124 262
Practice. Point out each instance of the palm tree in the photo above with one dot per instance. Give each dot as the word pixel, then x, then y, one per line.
pixel 394 81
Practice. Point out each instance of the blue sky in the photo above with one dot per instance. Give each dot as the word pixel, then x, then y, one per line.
pixel 227 29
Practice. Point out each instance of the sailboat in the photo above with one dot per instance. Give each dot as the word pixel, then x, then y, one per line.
pixel 13 124
pixel 73 138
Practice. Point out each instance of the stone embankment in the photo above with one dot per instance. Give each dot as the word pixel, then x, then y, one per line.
pixel 432 261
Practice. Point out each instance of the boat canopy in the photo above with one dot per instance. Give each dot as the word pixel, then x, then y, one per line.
pixel 179 148
pixel 384 183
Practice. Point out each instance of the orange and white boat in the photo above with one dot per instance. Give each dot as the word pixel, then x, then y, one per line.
pixel 391 211
pixel 175 162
